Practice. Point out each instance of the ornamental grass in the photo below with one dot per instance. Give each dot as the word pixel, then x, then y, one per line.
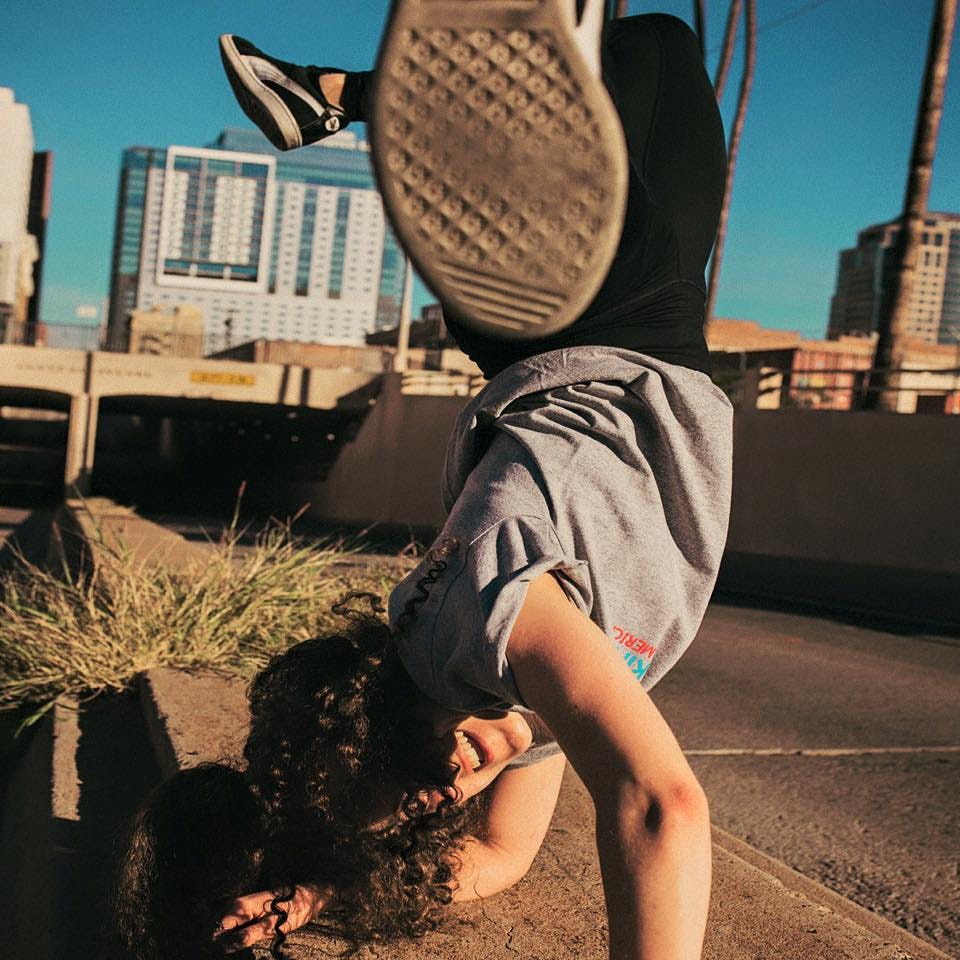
pixel 68 634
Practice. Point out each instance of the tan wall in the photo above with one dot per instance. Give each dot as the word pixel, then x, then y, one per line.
pixel 849 510
pixel 868 488
pixel 57 371
pixel 390 474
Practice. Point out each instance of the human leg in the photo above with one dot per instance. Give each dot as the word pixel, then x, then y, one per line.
pixel 293 105
pixel 498 151
pixel 673 130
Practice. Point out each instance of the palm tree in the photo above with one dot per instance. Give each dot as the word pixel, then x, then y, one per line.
pixel 893 324
pixel 746 83
pixel 700 20
pixel 729 40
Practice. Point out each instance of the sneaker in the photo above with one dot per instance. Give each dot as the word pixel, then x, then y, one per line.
pixel 500 157
pixel 284 100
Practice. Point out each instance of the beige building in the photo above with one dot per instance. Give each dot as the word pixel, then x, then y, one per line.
pixel 935 298
pixel 18 249
pixel 374 358
pixel 830 374
pixel 167 331
pixel 322 356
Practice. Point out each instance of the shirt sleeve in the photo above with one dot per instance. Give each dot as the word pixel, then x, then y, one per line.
pixel 455 645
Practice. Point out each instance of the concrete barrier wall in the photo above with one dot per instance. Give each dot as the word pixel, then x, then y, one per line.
pixel 390 473
pixel 870 488
pixel 38 840
pixel 852 510
pixel 75 372
pixel 847 511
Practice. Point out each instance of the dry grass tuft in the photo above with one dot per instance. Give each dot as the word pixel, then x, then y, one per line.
pixel 82 635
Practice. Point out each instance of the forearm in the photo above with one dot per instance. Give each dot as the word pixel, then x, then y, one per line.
pixel 521 804
pixel 485 870
pixel 656 861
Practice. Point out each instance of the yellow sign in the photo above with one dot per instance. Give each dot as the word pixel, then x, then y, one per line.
pixel 223 379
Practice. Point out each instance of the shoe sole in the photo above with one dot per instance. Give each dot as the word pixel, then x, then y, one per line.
pixel 258 101
pixel 500 158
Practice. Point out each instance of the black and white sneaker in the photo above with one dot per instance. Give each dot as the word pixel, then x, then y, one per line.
pixel 284 100
pixel 500 157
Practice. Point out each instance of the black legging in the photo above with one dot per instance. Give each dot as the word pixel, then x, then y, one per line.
pixel 653 297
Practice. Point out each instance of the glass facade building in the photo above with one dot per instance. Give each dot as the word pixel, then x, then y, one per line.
pixel 281 246
pixel 935 297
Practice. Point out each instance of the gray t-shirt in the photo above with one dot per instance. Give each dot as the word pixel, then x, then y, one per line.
pixel 603 465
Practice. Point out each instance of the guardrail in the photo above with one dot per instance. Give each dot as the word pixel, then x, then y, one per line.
pixel 76 336
pixel 919 390
pixel 441 383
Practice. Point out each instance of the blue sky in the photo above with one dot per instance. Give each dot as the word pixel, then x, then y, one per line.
pixel 824 151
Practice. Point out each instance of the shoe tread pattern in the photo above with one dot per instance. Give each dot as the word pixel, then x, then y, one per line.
pixel 504 180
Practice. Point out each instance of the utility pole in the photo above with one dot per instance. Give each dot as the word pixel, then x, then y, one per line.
pixel 400 358
pixel 893 324
pixel 746 84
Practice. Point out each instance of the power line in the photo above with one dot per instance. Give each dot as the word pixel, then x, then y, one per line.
pixel 785 18
pixel 792 15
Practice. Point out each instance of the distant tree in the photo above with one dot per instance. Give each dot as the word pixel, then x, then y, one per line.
pixel 895 296
pixel 729 41
pixel 746 83
pixel 700 21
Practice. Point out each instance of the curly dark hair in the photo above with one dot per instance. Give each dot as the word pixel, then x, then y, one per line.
pixel 195 844
pixel 347 768
pixel 344 772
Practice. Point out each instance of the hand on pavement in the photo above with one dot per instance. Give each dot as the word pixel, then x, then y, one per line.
pixel 249 918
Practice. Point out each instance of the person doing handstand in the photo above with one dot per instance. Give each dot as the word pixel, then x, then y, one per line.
pixel 400 766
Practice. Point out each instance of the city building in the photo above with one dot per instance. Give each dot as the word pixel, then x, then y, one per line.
pixel 935 298
pixel 269 245
pixel 431 345
pixel 828 374
pixel 18 247
pixel 167 331
pixel 38 213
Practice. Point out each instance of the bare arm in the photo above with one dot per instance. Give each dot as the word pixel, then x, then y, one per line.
pixel 522 802
pixel 653 827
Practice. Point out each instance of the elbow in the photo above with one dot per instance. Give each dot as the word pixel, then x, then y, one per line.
pixel 682 805
pixel 677 807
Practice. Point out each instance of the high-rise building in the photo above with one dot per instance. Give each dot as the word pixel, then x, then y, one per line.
pixel 935 299
pixel 18 248
pixel 38 213
pixel 282 246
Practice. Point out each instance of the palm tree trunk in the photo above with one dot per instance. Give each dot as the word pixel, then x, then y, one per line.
pixel 729 41
pixel 894 314
pixel 746 83
pixel 700 20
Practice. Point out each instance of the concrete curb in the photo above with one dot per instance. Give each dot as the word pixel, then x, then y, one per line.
pixel 797 884
pixel 38 843
pixel 194 717
pixel 83 523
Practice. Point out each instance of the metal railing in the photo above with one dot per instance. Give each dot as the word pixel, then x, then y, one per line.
pixel 917 389
pixel 63 336
pixel 441 383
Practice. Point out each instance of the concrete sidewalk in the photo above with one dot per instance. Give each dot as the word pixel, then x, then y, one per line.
pixel 759 908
